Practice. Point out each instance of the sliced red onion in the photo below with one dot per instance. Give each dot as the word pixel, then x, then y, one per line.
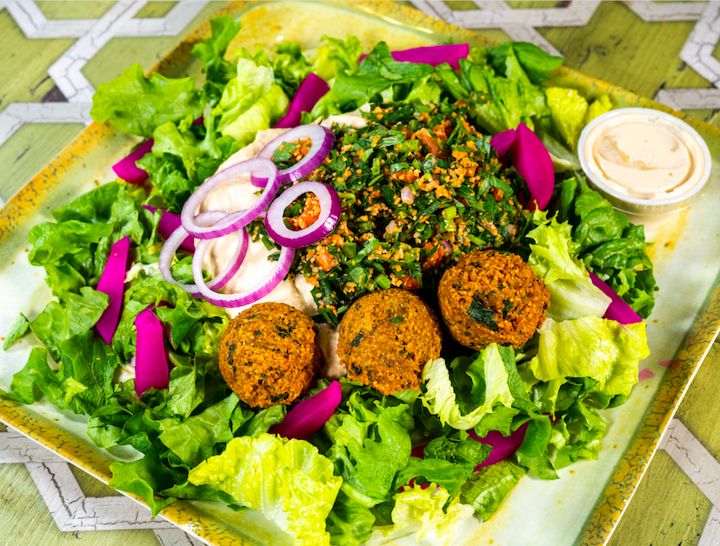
pixel 502 446
pixel 322 142
pixel 447 248
pixel 112 283
pixel 179 235
pixel 126 167
pixel 151 367
pixel 619 310
pixel 311 90
pixel 407 195
pixel 309 415
pixel 259 290
pixel 168 224
pixel 263 167
pixel 330 210
pixel 434 55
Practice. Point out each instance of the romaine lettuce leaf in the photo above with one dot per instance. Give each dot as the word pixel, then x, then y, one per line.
pixel 568 109
pixel 281 478
pixel 489 486
pixel 592 347
pixel 17 330
pixel 597 108
pixel 534 61
pixel 441 399
pixel 572 293
pixel 138 105
pixel 423 514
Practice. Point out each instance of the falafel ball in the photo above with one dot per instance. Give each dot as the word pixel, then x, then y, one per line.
pixel 492 297
pixel 269 354
pixel 386 338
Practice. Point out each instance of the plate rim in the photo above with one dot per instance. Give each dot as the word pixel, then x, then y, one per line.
pixel 625 478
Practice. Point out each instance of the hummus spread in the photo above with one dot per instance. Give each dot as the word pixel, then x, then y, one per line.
pixel 240 194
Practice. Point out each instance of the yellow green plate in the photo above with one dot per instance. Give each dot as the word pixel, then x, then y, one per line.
pixel 584 506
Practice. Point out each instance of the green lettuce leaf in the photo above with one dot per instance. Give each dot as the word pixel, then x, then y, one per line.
pixel 597 108
pixel 572 293
pixel 278 477
pixel 290 67
pixel 441 399
pixel 568 109
pixel 251 102
pixel 17 330
pixel 489 487
pixel 592 347
pixel 350 522
pixel 424 513
pixel 534 61
pixel 211 52
pixel 138 105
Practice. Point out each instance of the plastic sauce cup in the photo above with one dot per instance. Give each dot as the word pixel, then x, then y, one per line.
pixel 647 163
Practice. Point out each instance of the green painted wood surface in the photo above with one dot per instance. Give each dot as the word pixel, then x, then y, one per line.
pixel 616 46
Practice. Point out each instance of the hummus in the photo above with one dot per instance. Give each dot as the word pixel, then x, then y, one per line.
pixel 295 290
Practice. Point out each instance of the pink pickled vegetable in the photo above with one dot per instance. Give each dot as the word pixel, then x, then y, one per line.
pixel 199 121
pixel 531 160
pixel 619 310
pixel 169 222
pixel 112 283
pixel 126 168
pixel 151 366
pixel 502 447
pixel 309 415
pixel 311 89
pixel 434 55
pixel 503 141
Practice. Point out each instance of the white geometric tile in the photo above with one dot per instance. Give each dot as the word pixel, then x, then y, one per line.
pixel 12 118
pixel 70 508
pixel 171 25
pixel 698 50
pixel 34 24
pixel 666 11
pixel 711 532
pixel 689 99
pixel 577 13
pixel 66 71
pixel 702 469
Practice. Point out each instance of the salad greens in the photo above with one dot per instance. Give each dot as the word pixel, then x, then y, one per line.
pixel 382 467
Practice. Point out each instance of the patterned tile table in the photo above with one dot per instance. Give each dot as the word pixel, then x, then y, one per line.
pixel 53 54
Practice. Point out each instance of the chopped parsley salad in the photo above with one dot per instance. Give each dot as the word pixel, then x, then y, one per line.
pixel 446 164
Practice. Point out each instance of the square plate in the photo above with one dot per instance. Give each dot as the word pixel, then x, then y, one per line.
pixel 584 506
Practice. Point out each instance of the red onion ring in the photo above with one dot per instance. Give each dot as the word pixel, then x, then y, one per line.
pixel 259 290
pixel 330 210
pixel 233 222
pixel 322 142
pixel 175 240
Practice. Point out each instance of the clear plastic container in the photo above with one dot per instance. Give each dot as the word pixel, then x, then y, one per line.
pixel 628 156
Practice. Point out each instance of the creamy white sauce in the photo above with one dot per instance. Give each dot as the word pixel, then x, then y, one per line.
pixel 296 291
pixel 644 156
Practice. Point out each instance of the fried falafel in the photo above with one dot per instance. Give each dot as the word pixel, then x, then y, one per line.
pixel 386 338
pixel 492 297
pixel 269 354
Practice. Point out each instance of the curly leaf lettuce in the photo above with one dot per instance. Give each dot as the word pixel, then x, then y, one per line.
pixel 602 349
pixel 421 513
pixel 572 293
pixel 489 486
pixel 278 477
pixel 251 102
pixel 441 399
pixel 136 105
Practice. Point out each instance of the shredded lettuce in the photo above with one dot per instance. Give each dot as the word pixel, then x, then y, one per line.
pixel 281 478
